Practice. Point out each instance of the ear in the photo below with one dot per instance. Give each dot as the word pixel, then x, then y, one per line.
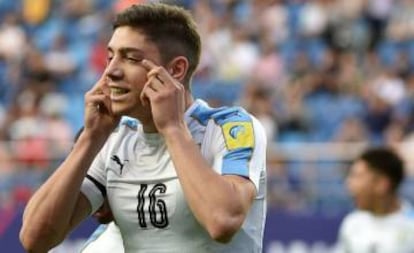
pixel 178 68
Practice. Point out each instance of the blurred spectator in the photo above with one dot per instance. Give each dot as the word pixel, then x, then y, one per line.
pixel 12 38
pixel 314 18
pixel 59 61
pixel 234 52
pixel 6 161
pixel 269 68
pixel 58 132
pixel 378 12
pixel 258 101
pixel 27 133
pixel 401 21
pixel 352 130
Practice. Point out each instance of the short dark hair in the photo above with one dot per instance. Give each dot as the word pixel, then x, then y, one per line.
pixel 386 162
pixel 171 28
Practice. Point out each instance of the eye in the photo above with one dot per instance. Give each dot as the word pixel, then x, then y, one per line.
pixel 133 60
pixel 109 58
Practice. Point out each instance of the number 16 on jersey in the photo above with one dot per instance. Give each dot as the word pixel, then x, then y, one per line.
pixel 156 207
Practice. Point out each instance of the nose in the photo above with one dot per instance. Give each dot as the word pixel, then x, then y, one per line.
pixel 114 71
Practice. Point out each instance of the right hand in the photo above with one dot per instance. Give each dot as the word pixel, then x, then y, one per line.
pixel 99 119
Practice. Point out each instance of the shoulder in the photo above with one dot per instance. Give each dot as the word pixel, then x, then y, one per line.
pixel 356 217
pixel 234 117
pixel 407 211
pixel 220 115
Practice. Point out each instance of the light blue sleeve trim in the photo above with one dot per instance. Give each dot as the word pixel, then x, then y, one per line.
pixel 231 114
pixel 203 113
pixel 236 162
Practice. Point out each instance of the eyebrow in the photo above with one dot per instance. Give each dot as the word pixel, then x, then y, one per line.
pixel 125 50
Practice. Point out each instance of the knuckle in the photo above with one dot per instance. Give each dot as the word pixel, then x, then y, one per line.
pixel 158 98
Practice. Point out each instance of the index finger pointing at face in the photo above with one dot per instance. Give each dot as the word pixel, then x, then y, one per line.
pixel 148 64
pixel 100 86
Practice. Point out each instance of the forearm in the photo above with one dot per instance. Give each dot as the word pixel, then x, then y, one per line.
pixel 49 212
pixel 213 200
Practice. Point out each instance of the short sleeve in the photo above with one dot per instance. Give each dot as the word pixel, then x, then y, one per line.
pixel 94 184
pixel 240 148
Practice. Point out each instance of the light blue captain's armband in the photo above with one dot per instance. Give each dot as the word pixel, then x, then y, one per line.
pixel 237 128
pixel 238 133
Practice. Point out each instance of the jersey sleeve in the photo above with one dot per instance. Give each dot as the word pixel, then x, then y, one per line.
pixel 94 184
pixel 239 146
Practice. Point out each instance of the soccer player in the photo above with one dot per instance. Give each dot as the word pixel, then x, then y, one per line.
pixel 184 178
pixel 384 223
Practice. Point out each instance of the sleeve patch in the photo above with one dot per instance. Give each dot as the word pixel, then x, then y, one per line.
pixel 238 135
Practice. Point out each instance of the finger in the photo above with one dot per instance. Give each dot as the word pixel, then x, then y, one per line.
pixel 100 102
pixel 100 86
pixel 146 94
pixel 148 64
pixel 155 70
pixel 149 93
pixel 161 74
pixel 155 83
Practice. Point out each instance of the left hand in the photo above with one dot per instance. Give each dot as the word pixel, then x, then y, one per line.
pixel 166 96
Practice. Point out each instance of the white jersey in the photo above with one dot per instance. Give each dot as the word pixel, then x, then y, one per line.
pixel 135 172
pixel 362 232
pixel 105 239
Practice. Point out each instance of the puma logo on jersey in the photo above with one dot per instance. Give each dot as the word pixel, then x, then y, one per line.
pixel 117 160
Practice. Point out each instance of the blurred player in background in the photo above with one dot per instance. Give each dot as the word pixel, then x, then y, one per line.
pixel 383 223
pixel 184 178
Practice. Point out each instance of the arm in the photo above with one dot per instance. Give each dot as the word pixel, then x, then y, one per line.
pixel 220 203
pixel 58 205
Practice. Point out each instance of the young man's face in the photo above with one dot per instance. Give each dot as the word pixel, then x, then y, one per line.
pixel 362 184
pixel 126 75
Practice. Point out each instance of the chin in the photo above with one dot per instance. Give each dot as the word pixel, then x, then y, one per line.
pixel 120 110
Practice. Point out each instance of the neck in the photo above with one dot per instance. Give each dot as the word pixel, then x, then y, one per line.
pixel 148 124
pixel 386 205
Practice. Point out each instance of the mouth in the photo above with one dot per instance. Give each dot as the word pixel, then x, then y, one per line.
pixel 117 93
